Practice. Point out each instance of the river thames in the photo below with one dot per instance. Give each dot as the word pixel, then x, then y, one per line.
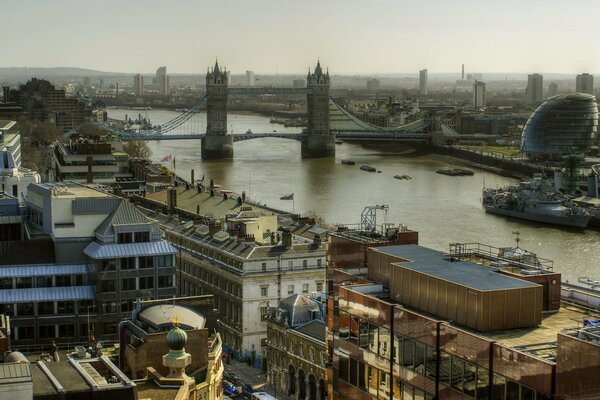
pixel 443 209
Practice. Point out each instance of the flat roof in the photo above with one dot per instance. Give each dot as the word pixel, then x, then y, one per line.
pixel 439 265
pixel 162 315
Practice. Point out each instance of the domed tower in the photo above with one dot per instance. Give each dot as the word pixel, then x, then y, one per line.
pixel 177 359
pixel 319 142
pixel 216 145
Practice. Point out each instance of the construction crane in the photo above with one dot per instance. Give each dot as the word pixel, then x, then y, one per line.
pixel 368 217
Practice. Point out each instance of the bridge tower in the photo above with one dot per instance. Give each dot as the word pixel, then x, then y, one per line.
pixel 319 141
pixel 216 144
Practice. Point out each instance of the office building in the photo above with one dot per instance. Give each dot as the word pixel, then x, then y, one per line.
pixel 423 82
pixel 584 83
pixel 138 84
pixel 479 94
pixel 373 84
pixel 535 89
pixel 250 78
pixel 424 324
pixel 242 259
pixel 162 80
pixel 41 101
pixel 560 125
pixel 296 347
pixel 82 261
pixel 552 89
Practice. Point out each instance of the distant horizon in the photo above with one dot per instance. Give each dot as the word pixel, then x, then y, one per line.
pixel 333 73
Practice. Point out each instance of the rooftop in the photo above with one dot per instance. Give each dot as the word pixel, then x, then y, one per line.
pixel 71 189
pixel 6 124
pixel 162 315
pixel 439 265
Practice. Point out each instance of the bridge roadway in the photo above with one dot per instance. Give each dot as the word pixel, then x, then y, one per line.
pixel 238 137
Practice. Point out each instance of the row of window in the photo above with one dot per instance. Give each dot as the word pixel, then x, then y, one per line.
pixel 131 263
pixel 200 248
pixel 141 283
pixel 291 264
pixel 376 382
pixel 211 278
pixel 51 331
pixel 28 282
pixel 291 289
pixel 46 308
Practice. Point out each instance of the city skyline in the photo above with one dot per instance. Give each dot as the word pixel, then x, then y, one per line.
pixel 270 37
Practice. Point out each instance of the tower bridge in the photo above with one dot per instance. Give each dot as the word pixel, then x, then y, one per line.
pixel 327 120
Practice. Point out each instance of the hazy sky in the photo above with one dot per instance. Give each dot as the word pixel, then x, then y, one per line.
pixel 285 36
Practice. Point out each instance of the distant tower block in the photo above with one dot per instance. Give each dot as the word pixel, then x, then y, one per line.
pixel 216 144
pixel 319 141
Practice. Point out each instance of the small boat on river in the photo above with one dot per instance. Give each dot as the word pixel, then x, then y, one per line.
pixel 368 168
pixel 348 162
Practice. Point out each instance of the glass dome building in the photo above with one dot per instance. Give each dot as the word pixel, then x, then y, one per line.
pixel 561 124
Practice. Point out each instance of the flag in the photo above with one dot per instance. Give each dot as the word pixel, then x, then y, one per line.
pixel 287 197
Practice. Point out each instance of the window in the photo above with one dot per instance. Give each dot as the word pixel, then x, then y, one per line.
pixel 45 308
pixel 109 307
pixel 7 283
pixel 291 264
pixel 304 263
pixel 147 282
pixel 66 330
pixel 25 309
pixel 146 262
pixel 25 332
pixel 128 263
pixel 125 237
pixel 264 266
pixel 47 331
pixel 42 281
pixel 84 305
pixel 66 307
pixel 264 291
pixel 263 312
pixel 290 289
pixel 108 285
pixel 108 265
pixel 140 237
pixel 128 284
pixel 24 283
pixel 62 280
pixel 319 287
pixel 165 261
pixel 319 262
pixel 165 281
pixel 305 288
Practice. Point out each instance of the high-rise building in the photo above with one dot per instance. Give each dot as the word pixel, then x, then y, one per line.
pixel 423 81
pixel 249 78
pixel 584 83
pixel 138 84
pixel 535 88
pixel 162 80
pixel 479 94
pixel 373 84
pixel 552 89
pixel 41 101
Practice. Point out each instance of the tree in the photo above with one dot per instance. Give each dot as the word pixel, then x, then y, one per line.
pixel 91 130
pixel 137 149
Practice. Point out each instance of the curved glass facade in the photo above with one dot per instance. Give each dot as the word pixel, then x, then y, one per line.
pixel 561 123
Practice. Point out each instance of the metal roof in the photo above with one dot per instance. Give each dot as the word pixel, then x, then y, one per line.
pixel 95 205
pixel 47 294
pixel 439 265
pixel 42 270
pixel 99 251
pixel 15 373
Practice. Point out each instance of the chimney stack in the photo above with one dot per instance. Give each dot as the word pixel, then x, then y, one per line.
pixel 286 239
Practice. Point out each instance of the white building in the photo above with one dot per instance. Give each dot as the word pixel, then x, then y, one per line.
pixel 584 83
pixel 162 80
pixel 10 139
pixel 249 78
pixel 535 89
pixel 13 178
pixel 479 94
pixel 423 81
pixel 247 268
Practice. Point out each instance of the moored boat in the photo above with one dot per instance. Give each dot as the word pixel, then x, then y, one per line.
pixel 368 168
pixel 402 177
pixel 348 162
pixel 455 172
